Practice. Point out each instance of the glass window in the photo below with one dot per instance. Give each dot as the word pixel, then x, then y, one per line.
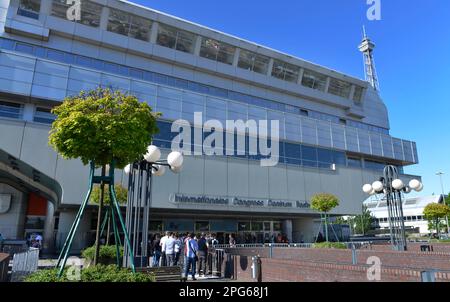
pixel 202 226
pixel 90 12
pixel 253 62
pixel 285 71
pixel 43 115
pixel 174 38
pixel 339 88
pixel 217 51
pixel 373 165
pixel 314 80
pixel 257 226
pixel 29 8
pixel 129 25
pixel 10 110
pixel 398 148
pixel 309 153
pixel 309 131
pixel 292 150
pixel 155 226
pixel 244 226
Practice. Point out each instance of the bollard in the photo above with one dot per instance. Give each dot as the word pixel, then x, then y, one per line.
pixel 270 250
pixel 354 256
pixel 256 269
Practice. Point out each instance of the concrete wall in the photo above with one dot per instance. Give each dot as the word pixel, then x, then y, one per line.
pixel 12 222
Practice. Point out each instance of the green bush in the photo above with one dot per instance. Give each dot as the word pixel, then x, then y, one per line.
pixel 106 252
pixel 330 245
pixel 98 273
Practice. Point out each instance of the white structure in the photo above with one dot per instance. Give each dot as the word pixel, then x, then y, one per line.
pixel 412 210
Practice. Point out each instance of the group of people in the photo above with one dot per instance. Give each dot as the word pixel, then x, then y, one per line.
pixel 170 249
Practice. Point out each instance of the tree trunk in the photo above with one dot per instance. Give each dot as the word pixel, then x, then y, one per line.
pixel 99 217
pixel 326 227
pixel 438 229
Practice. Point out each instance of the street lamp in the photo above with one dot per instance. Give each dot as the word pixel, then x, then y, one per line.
pixel 392 187
pixel 139 199
pixel 440 174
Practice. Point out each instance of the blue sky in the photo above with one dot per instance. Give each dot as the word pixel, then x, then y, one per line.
pixel 412 55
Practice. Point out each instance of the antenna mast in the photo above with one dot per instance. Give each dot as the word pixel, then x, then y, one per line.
pixel 367 47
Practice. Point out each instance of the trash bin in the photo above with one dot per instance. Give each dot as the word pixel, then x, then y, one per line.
pixel 426 248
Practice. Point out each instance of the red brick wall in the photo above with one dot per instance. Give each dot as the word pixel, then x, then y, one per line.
pixel 282 270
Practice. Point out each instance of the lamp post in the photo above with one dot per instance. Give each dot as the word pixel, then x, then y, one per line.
pixel 440 174
pixel 393 187
pixel 139 199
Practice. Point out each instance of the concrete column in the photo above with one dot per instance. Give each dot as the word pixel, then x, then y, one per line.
pixel 327 85
pixel 352 92
pixel 28 112
pixel 198 45
pixel 104 18
pixel 287 229
pixel 236 57
pixel 46 9
pixel 269 69
pixel 49 226
pixel 154 32
pixel 300 76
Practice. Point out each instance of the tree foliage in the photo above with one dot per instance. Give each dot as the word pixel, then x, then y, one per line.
pixel 434 212
pixel 324 202
pixel 121 194
pixel 103 125
pixel 362 223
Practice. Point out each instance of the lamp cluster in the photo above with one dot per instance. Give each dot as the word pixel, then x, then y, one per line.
pixel 378 187
pixel 174 161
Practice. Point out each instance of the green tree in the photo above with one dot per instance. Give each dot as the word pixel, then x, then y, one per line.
pixel 102 126
pixel 434 213
pixel 362 223
pixel 324 202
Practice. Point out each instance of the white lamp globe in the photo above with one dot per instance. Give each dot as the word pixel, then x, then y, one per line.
pixel 367 188
pixel 420 188
pixel 159 171
pixel 414 184
pixel 397 184
pixel 377 186
pixel 127 169
pixel 153 154
pixel 175 159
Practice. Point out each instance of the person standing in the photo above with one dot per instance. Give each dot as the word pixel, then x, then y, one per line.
pixel 177 249
pixel 156 248
pixel 163 251
pixel 191 256
pixel 202 254
pixel 232 241
pixel 169 248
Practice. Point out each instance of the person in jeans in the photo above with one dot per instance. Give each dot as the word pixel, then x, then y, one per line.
pixel 156 248
pixel 163 251
pixel 177 249
pixel 191 256
pixel 202 253
pixel 169 248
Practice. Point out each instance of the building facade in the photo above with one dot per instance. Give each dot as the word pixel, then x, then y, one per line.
pixel 333 128
pixel 414 219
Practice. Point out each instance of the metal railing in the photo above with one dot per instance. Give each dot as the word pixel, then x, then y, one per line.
pixel 24 264
pixel 349 245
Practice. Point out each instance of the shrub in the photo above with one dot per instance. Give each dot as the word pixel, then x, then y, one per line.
pixel 330 245
pixel 98 273
pixel 107 254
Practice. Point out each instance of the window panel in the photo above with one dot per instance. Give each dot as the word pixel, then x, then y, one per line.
pixel 408 151
pixel 398 148
pixel 338 133
pixel 364 142
pixel 174 38
pixel 29 8
pixel 43 115
pixel 357 96
pixel 217 51
pixel 387 146
pixel 129 25
pixel 90 12
pixel 375 141
pixel 314 80
pixel 285 71
pixel 253 62
pixel 324 134
pixel 11 110
pixel 339 88
pixel 309 131
pixel 354 162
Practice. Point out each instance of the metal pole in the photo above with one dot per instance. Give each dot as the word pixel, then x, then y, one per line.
pixel 99 216
pixel 443 197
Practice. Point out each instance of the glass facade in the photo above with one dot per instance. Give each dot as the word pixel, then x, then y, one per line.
pixel 29 8
pixel 90 11
pixel 43 115
pixel 129 25
pixel 177 98
pixel 11 110
pixel 174 38
pixel 339 88
pixel 217 51
pixel 253 62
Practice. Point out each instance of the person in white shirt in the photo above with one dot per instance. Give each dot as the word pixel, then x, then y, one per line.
pixel 169 247
pixel 163 251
